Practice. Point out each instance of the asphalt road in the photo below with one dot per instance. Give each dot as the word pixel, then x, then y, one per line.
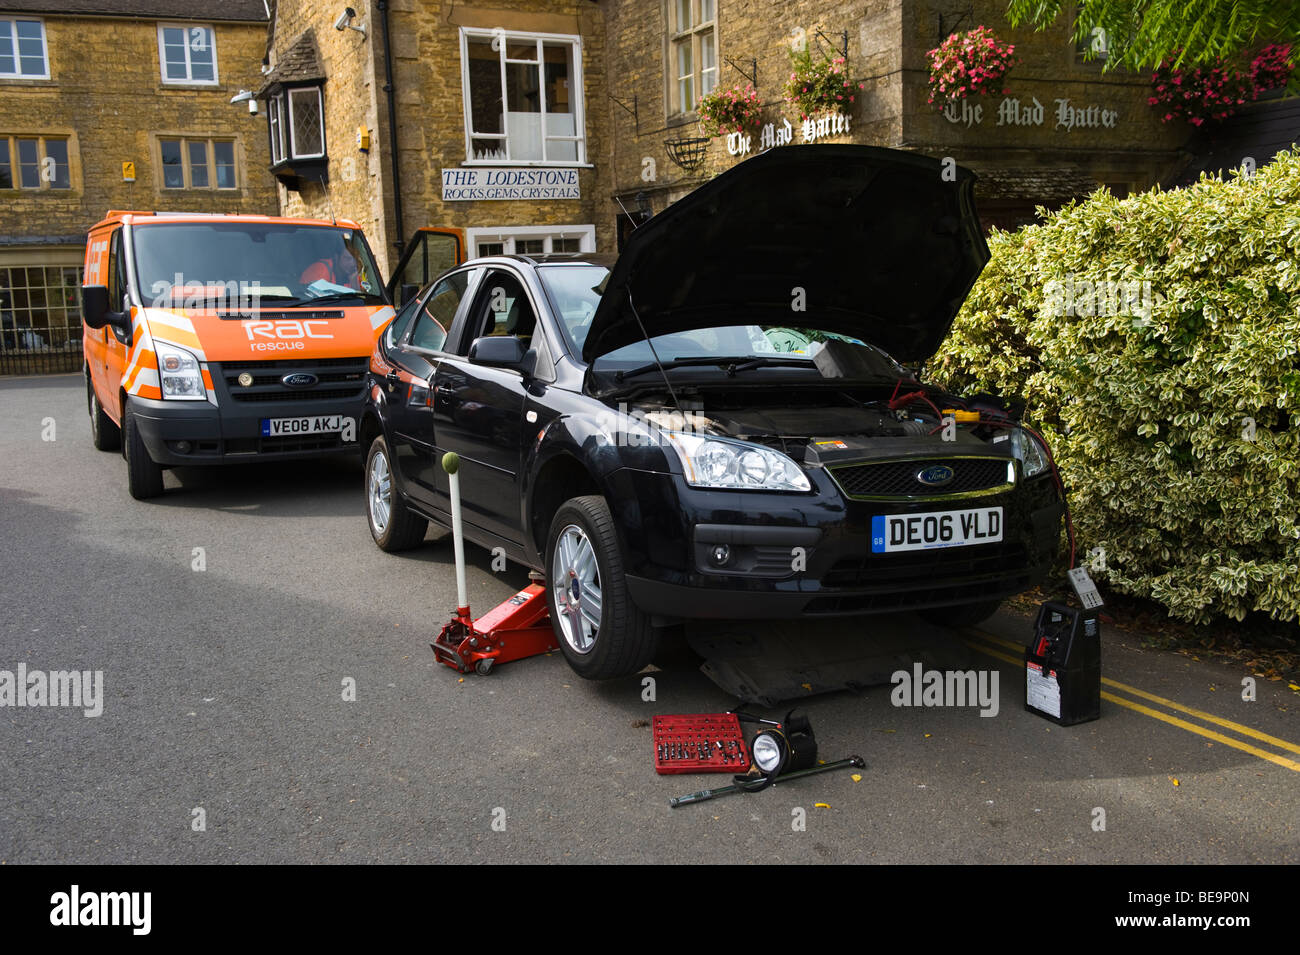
pixel 223 692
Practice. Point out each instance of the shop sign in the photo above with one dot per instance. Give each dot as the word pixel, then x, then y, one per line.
pixel 465 185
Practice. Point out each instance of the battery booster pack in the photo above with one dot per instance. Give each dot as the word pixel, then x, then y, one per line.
pixel 1063 665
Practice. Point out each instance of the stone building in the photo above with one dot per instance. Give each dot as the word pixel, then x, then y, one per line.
pixel 498 111
pixel 543 125
pixel 122 104
pixel 1063 128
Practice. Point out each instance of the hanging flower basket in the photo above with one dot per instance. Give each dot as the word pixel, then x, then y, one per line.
pixel 819 85
pixel 1212 93
pixel 734 110
pixel 970 63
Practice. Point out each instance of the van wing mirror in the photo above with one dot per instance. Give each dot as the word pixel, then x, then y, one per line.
pixel 94 305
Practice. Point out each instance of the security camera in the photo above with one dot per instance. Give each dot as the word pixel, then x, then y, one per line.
pixel 345 19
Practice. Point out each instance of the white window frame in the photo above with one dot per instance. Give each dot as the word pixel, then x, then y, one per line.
pixel 576 98
pixel 276 107
pixel 507 234
pixel 11 23
pixel 189 67
pixel 293 127
pixel 677 36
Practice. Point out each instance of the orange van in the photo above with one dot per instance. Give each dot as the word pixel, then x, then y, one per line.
pixel 213 339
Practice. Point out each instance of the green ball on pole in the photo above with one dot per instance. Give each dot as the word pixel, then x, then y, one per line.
pixel 451 462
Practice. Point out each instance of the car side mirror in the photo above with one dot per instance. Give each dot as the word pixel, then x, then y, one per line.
pixel 498 351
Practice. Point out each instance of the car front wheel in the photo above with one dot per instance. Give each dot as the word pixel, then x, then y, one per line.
pixel 392 524
pixel 602 633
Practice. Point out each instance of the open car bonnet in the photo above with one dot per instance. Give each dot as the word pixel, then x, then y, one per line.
pixel 873 243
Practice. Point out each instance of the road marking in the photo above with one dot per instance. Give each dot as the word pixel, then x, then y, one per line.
pixel 1143 694
pixel 1282 761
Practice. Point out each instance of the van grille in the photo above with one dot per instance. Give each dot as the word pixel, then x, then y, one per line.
pixel 336 379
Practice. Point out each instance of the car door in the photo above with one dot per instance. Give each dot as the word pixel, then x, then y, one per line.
pixel 430 252
pixel 479 410
pixel 422 352
pixel 406 388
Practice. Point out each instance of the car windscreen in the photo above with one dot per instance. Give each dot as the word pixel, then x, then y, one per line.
pixel 575 290
pixel 218 264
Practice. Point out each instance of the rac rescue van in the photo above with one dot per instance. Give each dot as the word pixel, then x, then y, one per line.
pixel 214 339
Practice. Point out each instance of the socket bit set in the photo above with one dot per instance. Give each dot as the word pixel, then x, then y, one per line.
pixel 699 743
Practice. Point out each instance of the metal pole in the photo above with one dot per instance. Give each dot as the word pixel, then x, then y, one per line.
pixel 856 762
pixel 451 464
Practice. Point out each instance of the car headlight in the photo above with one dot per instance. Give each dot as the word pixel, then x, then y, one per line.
pixel 1029 451
pixel 723 463
pixel 179 373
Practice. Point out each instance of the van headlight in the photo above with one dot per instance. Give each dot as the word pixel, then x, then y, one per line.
pixel 708 461
pixel 179 373
pixel 1029 452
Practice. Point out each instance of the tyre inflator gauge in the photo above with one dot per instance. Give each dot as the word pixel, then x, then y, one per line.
pixel 520 627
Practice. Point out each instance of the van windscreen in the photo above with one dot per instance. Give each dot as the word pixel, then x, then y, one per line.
pixel 216 264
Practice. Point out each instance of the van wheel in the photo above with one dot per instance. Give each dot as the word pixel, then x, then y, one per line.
pixel 393 525
pixel 144 478
pixel 601 632
pixel 106 435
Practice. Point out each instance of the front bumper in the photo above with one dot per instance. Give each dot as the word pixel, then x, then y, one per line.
pixel 183 434
pixel 810 555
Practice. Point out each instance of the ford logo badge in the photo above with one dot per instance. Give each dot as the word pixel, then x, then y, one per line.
pixel 935 475
pixel 298 380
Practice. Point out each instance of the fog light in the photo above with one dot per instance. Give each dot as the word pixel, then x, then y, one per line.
pixel 245 379
pixel 183 447
pixel 720 555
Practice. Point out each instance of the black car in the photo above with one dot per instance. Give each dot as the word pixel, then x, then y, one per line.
pixel 713 424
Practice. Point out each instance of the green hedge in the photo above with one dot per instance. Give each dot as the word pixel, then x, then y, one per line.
pixel 1145 397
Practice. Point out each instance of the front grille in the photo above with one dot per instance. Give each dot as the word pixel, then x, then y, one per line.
pixel 285 445
pixel 931 578
pixel 336 379
pixel 897 480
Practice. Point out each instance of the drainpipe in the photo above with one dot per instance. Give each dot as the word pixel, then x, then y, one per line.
pixel 392 130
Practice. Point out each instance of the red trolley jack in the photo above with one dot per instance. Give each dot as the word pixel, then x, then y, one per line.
pixel 520 627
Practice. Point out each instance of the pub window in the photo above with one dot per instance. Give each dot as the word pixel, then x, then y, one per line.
pixel 522 97
pixel 692 53
pixel 34 162
pixel 188 54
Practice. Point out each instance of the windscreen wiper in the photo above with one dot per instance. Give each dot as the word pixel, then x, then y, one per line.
pixel 731 363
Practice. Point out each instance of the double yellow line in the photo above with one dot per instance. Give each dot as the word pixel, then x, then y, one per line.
pixel 982 645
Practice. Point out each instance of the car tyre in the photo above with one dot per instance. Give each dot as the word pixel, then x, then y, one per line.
pixel 105 434
pixel 963 615
pixel 393 525
pixel 144 478
pixel 608 636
